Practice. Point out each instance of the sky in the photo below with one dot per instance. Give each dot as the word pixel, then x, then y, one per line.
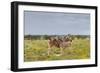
pixel 56 23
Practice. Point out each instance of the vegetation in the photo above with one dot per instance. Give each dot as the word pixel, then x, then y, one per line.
pixel 45 37
pixel 36 50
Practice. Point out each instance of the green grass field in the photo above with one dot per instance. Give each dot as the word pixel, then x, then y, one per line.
pixel 36 50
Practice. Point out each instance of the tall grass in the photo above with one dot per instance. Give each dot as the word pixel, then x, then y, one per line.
pixel 36 50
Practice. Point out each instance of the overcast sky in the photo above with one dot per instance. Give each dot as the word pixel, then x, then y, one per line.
pixel 53 23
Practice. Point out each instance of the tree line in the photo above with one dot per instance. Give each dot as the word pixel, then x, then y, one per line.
pixel 45 37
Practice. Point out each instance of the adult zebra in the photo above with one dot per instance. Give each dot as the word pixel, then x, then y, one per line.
pixel 61 43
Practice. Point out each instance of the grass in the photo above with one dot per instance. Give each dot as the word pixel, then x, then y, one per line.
pixel 36 50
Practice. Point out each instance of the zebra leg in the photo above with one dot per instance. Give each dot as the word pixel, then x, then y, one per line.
pixel 49 50
pixel 61 50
